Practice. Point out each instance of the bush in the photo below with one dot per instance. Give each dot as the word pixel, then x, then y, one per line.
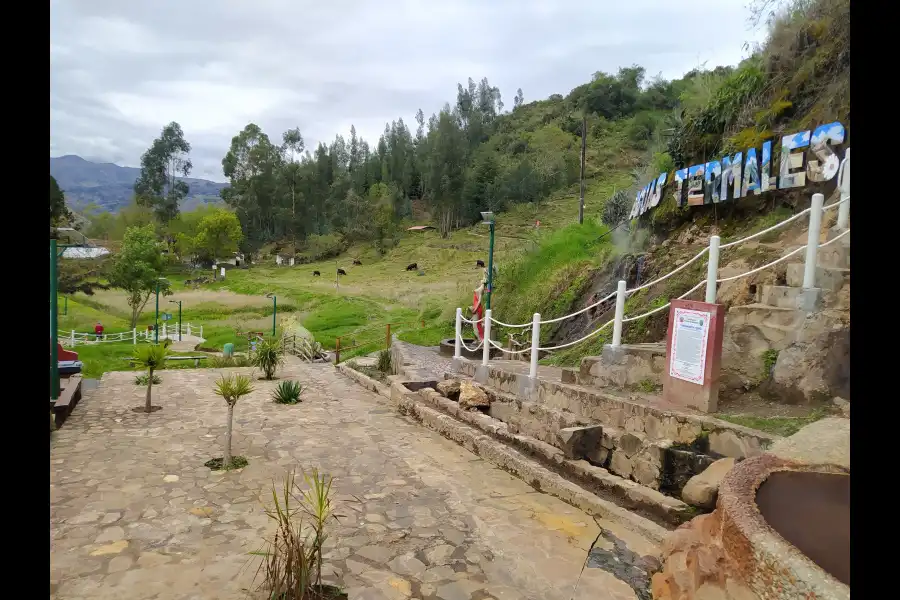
pixel 224 362
pixel 267 356
pixel 287 392
pixel 384 361
pixel 616 209
pixel 142 379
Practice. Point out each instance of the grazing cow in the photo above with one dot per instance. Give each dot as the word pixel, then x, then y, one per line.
pixel 357 262
pixel 341 272
pixel 412 267
pixel 316 274
pixel 479 263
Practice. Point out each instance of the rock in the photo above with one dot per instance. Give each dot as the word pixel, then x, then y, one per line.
pixel 843 406
pixel 702 490
pixel 449 388
pixel 472 397
pixel 630 444
pixel 817 366
pixel 578 442
pixel 620 464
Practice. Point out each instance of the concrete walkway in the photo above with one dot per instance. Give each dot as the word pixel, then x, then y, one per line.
pixel 135 514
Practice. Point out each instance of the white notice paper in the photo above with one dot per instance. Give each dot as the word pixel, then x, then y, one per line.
pixel 689 340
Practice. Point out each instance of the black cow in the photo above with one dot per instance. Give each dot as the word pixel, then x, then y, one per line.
pixel 357 262
pixel 412 267
pixel 479 263
pixel 316 274
pixel 341 272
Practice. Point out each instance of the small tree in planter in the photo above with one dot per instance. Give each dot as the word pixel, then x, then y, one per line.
pixel 232 388
pixel 268 356
pixel 151 358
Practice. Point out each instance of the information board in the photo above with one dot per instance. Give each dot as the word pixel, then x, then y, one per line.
pixel 689 345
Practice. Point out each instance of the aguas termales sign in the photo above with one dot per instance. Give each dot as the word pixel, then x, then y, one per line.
pixel 807 155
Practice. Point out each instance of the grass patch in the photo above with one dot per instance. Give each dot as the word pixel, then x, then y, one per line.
pixel 783 426
pixel 141 380
pixel 103 358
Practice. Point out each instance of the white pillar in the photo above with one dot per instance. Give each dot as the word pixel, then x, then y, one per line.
pixel 620 314
pixel 486 350
pixel 457 352
pixel 134 336
pixel 201 331
pixel 72 338
pixel 164 330
pixel 843 219
pixel 712 269
pixel 189 328
pixel 812 241
pixel 535 342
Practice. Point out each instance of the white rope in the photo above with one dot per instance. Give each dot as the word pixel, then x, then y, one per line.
pixel 472 322
pixel 475 349
pixel 782 223
pixel 586 308
pixel 664 277
pixel 591 334
pixel 499 347
pixel 513 326
pixel 758 269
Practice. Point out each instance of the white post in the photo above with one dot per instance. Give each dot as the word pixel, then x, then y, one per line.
pixel 189 328
pixel 164 330
pixel 812 241
pixel 620 314
pixel 201 331
pixel 486 350
pixel 134 336
pixel 73 337
pixel 843 219
pixel 457 352
pixel 535 342
pixel 712 269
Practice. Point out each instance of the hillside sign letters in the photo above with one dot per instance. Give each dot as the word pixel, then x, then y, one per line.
pixel 805 155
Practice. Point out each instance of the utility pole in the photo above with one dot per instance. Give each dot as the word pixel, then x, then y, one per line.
pixel 583 152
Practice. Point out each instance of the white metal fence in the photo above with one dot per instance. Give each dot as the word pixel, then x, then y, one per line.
pixel 73 338
pixel 815 212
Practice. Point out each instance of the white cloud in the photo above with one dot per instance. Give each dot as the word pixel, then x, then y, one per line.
pixel 119 71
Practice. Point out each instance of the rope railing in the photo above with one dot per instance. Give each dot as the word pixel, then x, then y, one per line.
pixel 815 212
pixel 73 338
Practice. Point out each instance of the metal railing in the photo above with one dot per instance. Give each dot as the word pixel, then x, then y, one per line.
pixel 73 338
pixel 811 248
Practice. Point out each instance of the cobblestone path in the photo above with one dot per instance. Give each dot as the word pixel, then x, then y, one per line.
pixel 135 514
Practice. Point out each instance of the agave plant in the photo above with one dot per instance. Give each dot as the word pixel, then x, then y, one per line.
pixel 152 358
pixel 287 392
pixel 231 389
pixel 267 356
pixel 309 349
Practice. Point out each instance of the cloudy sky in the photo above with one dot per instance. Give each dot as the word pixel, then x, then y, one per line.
pixel 120 70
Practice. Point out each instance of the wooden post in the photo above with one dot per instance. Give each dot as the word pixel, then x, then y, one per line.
pixel 337 350
pixel 583 152
pixel 387 336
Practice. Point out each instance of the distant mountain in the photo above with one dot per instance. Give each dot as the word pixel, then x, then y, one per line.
pixel 111 187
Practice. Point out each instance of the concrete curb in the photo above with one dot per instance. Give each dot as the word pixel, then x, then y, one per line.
pixel 365 381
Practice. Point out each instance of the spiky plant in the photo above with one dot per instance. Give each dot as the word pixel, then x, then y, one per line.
pixel 231 388
pixel 267 356
pixel 152 358
pixel 287 392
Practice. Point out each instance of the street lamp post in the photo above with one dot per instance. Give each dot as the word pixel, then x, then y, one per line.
pixel 488 217
pixel 156 320
pixel 274 310
pixel 178 302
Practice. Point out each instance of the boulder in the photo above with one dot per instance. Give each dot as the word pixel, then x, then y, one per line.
pixel 578 442
pixel 702 490
pixel 472 397
pixel 843 406
pixel 449 388
pixel 817 366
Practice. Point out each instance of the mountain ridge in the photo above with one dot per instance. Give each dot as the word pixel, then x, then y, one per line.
pixel 111 186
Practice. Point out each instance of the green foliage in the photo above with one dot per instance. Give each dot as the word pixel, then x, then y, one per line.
pixel 218 236
pixel 769 358
pixel 233 387
pixel 158 186
pixel 287 392
pixel 217 464
pixel 142 379
pixel 59 213
pixel 616 209
pixel 151 357
pixel 384 361
pixel 784 426
pixel 224 362
pixel 137 269
pixel 267 356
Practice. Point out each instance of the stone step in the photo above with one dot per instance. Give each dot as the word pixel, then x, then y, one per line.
pixel 765 315
pixel 830 279
pixel 627 367
pixel 631 495
pixel 779 296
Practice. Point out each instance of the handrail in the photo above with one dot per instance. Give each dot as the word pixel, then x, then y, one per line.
pixel 816 210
